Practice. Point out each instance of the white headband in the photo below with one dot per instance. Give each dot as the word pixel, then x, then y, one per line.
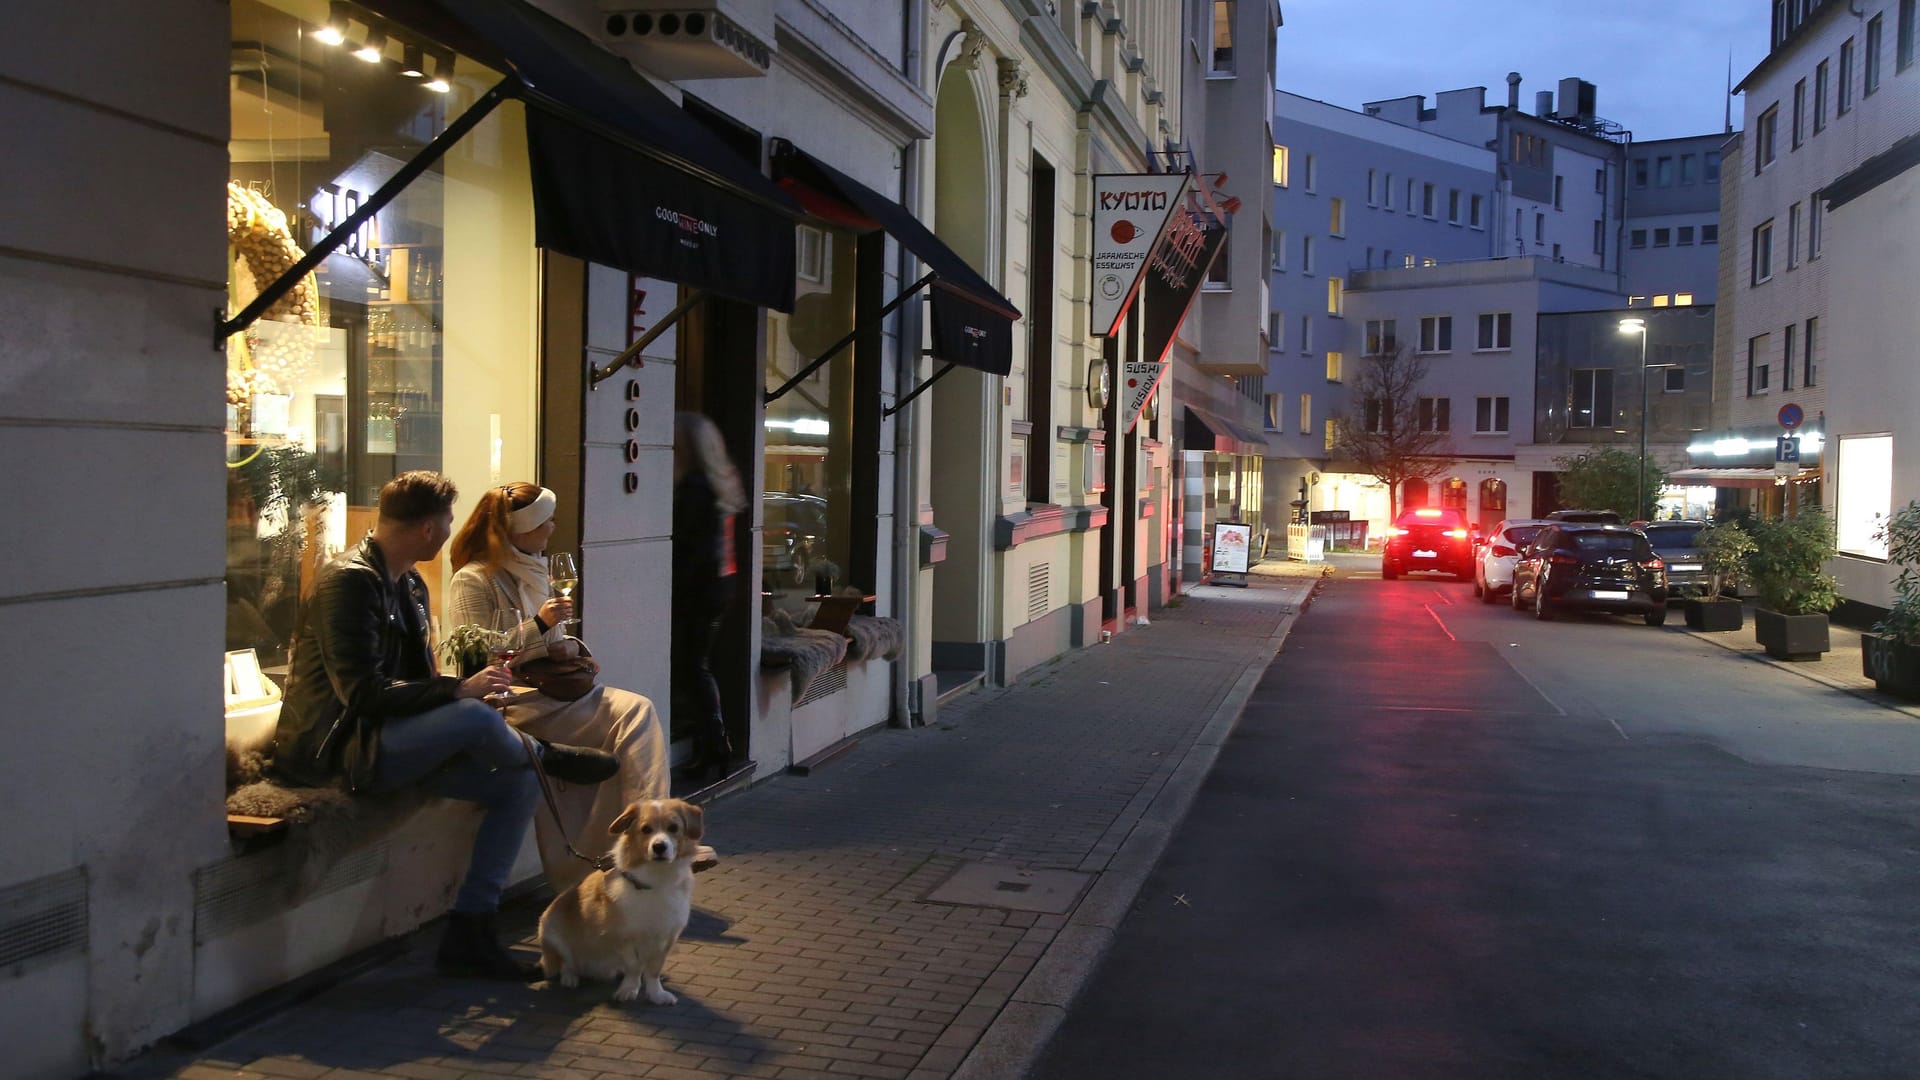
pixel 533 515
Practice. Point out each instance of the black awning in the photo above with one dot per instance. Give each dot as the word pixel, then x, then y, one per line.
pixel 1206 431
pixel 621 175
pixel 972 322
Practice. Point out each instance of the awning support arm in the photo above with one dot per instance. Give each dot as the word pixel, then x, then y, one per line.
pixel 631 354
pixel 915 392
pixel 848 340
pixel 225 328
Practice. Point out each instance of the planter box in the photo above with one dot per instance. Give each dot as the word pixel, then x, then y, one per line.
pixel 1791 637
pixel 1893 667
pixel 1715 615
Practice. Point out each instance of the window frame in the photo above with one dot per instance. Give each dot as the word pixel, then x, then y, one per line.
pixel 1281 159
pixel 1336 366
pixel 1216 67
pixel 1760 271
pixel 1843 100
pixel 1870 58
pixel 1593 380
pixel 1434 415
pixel 1793 236
pixel 1758 363
pixel 1799 115
pixel 1497 410
pixel 1766 132
pixel 1820 72
pixel 1439 341
pixel 1488 327
pixel 1816 216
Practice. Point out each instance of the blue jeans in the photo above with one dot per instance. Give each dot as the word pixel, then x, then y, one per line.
pixel 466 750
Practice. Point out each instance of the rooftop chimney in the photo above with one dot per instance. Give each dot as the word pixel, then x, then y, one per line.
pixel 1543 104
pixel 1513 90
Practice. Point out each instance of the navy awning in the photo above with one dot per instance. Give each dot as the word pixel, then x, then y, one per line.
pixel 972 322
pixel 1205 431
pixel 622 175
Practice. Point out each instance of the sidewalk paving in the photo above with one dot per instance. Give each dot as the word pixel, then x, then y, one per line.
pixel 813 950
pixel 1838 668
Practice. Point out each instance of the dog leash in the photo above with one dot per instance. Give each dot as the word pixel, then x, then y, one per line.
pixel 604 863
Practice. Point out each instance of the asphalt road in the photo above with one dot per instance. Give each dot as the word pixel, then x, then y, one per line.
pixel 1448 841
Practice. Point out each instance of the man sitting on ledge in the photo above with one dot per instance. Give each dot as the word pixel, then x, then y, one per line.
pixel 364 709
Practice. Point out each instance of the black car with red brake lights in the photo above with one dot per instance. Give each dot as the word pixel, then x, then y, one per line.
pixel 1609 568
pixel 1429 538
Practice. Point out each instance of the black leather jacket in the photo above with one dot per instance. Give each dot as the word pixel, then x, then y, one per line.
pixel 361 655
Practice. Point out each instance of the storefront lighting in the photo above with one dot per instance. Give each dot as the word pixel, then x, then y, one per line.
pixel 442 80
pixel 375 49
pixel 334 30
pixel 1732 447
pixel 414 65
pixel 800 427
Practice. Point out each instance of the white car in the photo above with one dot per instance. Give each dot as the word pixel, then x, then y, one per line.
pixel 1493 559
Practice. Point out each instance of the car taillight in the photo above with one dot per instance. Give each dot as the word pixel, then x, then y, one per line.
pixel 1396 532
pixel 1658 568
pixel 1457 534
pixel 1502 551
pixel 1561 558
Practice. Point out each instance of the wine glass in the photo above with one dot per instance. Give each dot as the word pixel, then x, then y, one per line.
pixel 565 577
pixel 503 631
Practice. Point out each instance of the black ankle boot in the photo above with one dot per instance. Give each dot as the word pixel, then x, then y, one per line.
pixel 576 764
pixel 470 949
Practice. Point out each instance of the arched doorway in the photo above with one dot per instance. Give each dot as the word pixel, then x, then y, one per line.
pixel 961 458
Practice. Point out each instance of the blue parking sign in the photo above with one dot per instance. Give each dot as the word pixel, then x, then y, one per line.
pixel 1786 450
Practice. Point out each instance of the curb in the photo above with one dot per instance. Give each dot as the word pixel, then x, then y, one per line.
pixel 1013 1042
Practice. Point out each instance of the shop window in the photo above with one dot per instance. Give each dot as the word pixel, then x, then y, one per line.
pixel 1863 493
pixel 1453 493
pixel 1493 496
pixel 807 472
pixel 412 347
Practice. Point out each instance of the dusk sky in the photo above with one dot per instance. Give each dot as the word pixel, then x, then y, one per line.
pixel 1660 65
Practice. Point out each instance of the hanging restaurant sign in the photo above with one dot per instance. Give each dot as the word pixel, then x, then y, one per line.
pixel 1130 211
pixel 1178 266
pixel 1138 384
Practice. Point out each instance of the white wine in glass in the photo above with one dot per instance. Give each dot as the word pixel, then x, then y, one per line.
pixel 565 576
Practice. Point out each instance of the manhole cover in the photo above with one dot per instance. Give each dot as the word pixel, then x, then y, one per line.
pixel 1001 885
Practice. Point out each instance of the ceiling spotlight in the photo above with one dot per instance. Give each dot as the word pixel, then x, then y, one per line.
pixel 414 66
pixel 334 30
pixel 442 80
pixel 375 50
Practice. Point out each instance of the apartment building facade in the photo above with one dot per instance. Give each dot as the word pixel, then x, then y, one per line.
pixel 1673 220
pixel 1351 194
pixel 1827 113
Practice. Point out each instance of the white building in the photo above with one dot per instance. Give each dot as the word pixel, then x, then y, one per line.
pixel 1812 323
pixel 1673 220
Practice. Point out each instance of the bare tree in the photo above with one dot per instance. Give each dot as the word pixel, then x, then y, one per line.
pixel 1381 432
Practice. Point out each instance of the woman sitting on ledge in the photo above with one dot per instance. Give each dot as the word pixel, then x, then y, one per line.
pixel 499 562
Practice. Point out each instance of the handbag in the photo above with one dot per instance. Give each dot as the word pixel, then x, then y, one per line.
pixel 565 670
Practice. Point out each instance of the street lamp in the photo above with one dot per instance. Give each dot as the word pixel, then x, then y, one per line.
pixel 1639 326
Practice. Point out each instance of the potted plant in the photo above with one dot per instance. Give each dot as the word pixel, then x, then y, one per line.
pixel 1787 570
pixel 1724 549
pixel 465 649
pixel 1890 656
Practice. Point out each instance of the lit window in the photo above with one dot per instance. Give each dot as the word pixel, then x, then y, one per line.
pixel 1863 493
pixel 1276 405
pixel 1223 37
pixel 1306 414
pixel 1683 299
pixel 1335 362
pixel 1333 432
pixel 1279 165
pixel 1661 300
pixel 1336 297
pixel 1337 216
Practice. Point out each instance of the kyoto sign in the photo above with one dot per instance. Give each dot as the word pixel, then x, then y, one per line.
pixel 1130 210
pixel 1136 384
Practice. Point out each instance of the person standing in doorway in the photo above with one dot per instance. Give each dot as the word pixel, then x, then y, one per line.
pixel 706 495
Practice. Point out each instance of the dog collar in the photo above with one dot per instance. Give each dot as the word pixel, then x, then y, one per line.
pixel 634 881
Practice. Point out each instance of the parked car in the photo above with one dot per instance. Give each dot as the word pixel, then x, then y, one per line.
pixel 1592 517
pixel 1494 557
pixel 1678 545
pixel 1429 538
pixel 1591 567
pixel 796 526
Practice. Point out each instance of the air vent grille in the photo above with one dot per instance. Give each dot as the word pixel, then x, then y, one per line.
pixel 831 681
pixel 43 920
pixel 1039 590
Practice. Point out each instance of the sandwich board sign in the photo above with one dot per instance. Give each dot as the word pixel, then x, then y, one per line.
pixel 1232 541
pixel 1130 211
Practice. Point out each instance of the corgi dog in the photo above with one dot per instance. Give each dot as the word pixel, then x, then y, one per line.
pixel 621 923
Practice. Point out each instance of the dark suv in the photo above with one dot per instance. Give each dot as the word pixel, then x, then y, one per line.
pixel 1428 539
pixel 1592 567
